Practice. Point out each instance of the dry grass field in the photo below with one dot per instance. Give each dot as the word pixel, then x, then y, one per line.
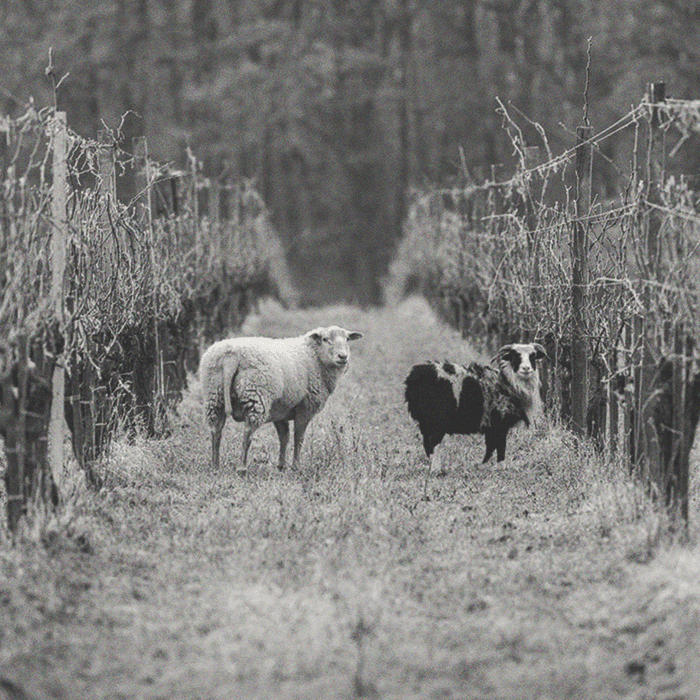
pixel 548 576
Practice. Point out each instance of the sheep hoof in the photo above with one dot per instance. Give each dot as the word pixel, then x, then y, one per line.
pixel 242 472
pixel 280 467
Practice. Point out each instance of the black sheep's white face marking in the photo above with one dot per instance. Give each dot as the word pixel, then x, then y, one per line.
pixel 454 374
pixel 522 358
pixel 518 366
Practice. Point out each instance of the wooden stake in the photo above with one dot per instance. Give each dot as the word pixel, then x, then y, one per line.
pixel 142 178
pixel 214 207
pixel 106 185
pixel 654 174
pixel 579 346
pixel 59 239
pixel 649 455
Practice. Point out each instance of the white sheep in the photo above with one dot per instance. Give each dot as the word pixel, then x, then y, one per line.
pixel 265 380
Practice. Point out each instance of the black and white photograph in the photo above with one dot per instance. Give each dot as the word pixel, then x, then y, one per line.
pixel 349 349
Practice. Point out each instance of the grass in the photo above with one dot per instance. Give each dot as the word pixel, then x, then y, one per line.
pixel 549 575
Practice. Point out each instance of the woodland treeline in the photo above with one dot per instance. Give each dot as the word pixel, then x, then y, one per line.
pixel 337 108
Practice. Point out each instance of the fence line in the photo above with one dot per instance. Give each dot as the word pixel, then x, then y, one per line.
pixel 82 288
pixel 498 259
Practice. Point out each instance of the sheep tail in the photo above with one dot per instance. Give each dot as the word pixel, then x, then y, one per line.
pixel 230 367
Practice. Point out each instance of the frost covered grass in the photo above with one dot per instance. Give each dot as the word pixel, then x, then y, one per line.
pixel 546 576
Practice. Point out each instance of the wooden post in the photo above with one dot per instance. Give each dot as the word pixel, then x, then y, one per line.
pixel 579 346
pixel 654 174
pixel 648 455
pixel 677 471
pixel 158 396
pixel 142 179
pixel 59 239
pixel 27 401
pixel 106 185
pixel 4 147
pixel 641 391
pixel 214 210
pixel 612 414
pixel 16 443
pixel 530 161
pixel 194 204
pixel 492 202
pixel 532 199
pixel 105 165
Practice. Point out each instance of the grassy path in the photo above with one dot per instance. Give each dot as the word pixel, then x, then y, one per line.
pixel 542 577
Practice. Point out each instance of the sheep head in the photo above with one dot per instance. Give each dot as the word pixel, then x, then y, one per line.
pixel 522 358
pixel 331 345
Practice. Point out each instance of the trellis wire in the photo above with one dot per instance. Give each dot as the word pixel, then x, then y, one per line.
pixel 496 260
pixel 123 324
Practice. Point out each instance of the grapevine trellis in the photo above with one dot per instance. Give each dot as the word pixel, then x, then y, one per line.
pixel 105 304
pixel 610 287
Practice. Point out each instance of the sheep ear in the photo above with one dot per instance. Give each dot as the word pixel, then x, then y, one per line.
pixel 541 353
pixel 354 335
pixel 316 335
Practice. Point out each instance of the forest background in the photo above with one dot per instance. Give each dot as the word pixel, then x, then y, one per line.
pixel 339 109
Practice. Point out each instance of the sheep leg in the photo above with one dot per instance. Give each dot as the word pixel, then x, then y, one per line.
pixel 256 414
pixel 216 428
pixel 490 446
pixel 436 467
pixel 299 430
pixel 435 463
pixel 430 442
pixel 282 427
pixel 501 447
pixel 247 438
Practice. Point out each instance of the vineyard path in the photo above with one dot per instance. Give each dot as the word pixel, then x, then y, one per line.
pixel 545 576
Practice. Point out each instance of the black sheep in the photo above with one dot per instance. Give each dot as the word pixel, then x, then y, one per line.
pixel 449 399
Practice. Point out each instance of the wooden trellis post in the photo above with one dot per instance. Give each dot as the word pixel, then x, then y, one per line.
pixel 14 434
pixel 193 177
pixel 214 209
pixel 107 180
pixel 30 409
pixel 59 239
pixel 579 281
pixel 647 452
pixel 142 180
pixel 144 217
pixel 4 139
pixel 531 196
pixel 654 173
pixel 106 185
